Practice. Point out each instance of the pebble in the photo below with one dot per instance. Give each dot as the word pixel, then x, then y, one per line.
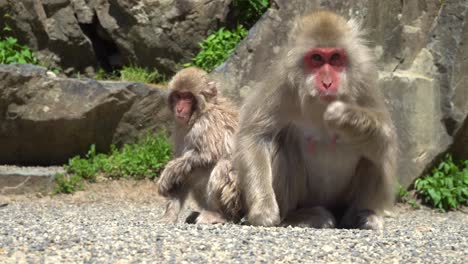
pixel 124 232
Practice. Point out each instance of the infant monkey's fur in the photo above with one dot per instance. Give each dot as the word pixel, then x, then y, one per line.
pixel 203 143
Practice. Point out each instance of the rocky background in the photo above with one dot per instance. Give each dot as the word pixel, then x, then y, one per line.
pixel 421 46
pixel 85 34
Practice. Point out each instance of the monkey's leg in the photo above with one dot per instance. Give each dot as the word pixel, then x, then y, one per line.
pixel 315 217
pixel 223 191
pixel 370 194
pixel 171 214
pixel 174 206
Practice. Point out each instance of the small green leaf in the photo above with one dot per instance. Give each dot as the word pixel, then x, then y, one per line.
pixel 434 195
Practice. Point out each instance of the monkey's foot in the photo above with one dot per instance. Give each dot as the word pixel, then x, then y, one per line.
pixel 363 219
pixel 168 218
pixel 315 217
pixel 210 217
pixel 264 219
pixel 373 222
pixel 171 214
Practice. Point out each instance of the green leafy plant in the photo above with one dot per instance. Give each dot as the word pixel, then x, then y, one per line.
pixel 447 186
pixel 249 11
pixel 402 193
pixel 134 73
pixel 144 159
pixel 405 197
pixel 65 183
pixel 87 168
pixel 101 74
pixel 13 52
pixel 217 48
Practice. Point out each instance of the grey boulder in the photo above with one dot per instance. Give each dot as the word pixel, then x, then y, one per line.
pixel 46 120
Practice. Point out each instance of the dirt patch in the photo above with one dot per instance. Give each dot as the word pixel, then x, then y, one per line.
pixel 143 191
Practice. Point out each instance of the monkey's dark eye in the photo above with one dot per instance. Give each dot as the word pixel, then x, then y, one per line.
pixel 335 57
pixel 316 57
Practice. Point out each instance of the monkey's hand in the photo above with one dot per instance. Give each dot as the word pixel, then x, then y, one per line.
pixel 347 121
pixel 168 180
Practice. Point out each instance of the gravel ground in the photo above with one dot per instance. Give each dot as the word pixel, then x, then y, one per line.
pixel 109 230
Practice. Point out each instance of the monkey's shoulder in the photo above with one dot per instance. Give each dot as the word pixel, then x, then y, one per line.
pixel 211 128
pixel 222 116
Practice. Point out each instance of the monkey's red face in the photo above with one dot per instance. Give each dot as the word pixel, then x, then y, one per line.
pixel 326 64
pixel 184 104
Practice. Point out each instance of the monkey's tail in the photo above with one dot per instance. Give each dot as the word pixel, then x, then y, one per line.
pixel 223 190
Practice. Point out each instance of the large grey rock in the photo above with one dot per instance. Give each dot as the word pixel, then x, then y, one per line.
pixel 422 54
pixel 46 120
pixel 49 27
pixel 80 35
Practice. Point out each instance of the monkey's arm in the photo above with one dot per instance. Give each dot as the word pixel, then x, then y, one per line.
pixel 204 150
pixel 362 126
pixel 255 175
pixel 177 170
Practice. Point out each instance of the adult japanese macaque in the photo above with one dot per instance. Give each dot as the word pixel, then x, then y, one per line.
pixel 203 136
pixel 316 146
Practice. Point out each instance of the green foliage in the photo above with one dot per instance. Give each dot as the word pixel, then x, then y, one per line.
pixel 217 48
pixel 13 52
pixel 250 10
pixel 134 73
pixel 101 74
pixel 89 167
pixel 65 183
pixel 402 192
pixel 413 203
pixel 447 187
pixel 145 159
pixel 405 197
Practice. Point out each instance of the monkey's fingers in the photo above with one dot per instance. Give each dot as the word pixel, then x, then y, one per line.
pixel 335 114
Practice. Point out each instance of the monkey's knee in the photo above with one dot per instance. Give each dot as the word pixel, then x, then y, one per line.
pixel 316 217
pixel 362 219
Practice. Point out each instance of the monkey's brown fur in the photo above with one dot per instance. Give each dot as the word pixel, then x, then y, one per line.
pixel 202 149
pixel 348 183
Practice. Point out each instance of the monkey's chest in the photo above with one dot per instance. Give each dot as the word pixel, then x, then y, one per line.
pixel 330 163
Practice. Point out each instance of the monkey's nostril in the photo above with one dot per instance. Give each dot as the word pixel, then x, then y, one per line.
pixel 327 84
